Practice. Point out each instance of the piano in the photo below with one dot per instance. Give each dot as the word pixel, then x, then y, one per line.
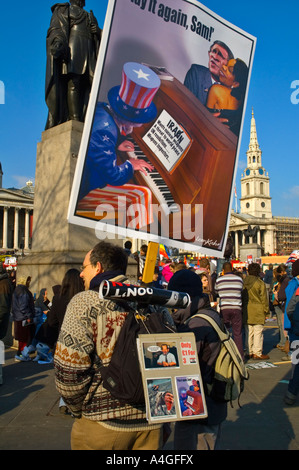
pixel 203 175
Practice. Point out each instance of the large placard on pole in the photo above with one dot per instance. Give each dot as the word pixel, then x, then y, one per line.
pixel 160 144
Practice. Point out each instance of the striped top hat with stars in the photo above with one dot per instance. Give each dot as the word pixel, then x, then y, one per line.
pixel 132 100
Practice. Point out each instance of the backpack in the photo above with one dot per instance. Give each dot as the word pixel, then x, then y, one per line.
pixel 230 370
pixel 122 376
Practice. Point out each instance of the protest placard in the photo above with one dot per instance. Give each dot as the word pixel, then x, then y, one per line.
pixel 160 144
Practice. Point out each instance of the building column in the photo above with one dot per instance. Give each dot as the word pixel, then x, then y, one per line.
pixel 259 237
pixel 27 229
pixel 236 243
pixel 5 227
pixel 16 229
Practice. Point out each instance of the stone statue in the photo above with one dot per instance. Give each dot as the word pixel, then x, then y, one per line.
pixel 73 41
pixel 229 248
pixel 251 232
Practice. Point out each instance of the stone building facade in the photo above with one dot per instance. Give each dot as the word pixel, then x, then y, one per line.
pixel 16 215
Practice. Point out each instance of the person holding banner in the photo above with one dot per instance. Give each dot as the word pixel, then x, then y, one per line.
pixel 91 328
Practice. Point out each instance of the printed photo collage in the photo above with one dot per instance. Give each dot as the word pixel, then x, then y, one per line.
pixel 171 377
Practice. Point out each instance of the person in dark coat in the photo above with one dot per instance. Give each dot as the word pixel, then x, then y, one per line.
pixel 5 301
pixel 23 313
pixel 5 305
pixel 201 434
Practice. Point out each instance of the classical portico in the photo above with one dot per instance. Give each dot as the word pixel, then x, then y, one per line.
pixel 261 233
pixel 16 210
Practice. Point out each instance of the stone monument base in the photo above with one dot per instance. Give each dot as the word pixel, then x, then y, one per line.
pixel 250 249
pixel 57 245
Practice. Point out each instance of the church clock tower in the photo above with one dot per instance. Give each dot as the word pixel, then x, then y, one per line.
pixel 255 182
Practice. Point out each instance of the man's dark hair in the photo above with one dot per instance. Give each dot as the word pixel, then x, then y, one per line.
pixel 254 269
pixel 144 248
pixel 128 244
pixel 227 267
pixel 112 257
pixel 222 44
pixel 204 263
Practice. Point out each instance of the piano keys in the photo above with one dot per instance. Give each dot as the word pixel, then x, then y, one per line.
pixel 155 183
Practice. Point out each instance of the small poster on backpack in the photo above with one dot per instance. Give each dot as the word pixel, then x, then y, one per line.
pixel 158 354
pixel 160 397
pixel 190 397
pixel 171 376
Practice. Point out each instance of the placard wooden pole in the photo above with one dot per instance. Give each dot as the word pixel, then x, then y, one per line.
pixel 150 262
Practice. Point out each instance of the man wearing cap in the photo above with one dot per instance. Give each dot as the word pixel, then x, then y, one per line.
pixel 130 105
pixel 202 434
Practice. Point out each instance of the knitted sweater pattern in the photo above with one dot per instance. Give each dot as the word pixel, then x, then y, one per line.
pixel 91 326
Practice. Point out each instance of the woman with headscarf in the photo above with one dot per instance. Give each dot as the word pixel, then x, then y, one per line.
pixel 42 301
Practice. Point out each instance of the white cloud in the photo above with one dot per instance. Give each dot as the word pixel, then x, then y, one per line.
pixel 292 193
pixel 242 164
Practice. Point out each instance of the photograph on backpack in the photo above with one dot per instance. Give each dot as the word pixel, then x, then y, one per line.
pixel 160 355
pixel 190 396
pixel 161 399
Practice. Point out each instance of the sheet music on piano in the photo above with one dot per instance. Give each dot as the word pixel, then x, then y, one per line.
pixel 168 140
pixel 162 72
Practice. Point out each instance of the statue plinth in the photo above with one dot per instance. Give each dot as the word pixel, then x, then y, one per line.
pixel 56 245
pixel 253 249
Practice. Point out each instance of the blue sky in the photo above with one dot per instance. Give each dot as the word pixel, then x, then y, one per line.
pixel 23 28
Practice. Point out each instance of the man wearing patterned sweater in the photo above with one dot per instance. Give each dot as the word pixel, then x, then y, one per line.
pixel 91 327
pixel 229 289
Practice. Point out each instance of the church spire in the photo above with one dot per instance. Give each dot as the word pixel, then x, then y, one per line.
pixel 255 182
pixel 254 153
pixel 253 134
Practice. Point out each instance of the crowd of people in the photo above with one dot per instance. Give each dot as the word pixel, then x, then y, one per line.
pixel 78 326
pixel 245 298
